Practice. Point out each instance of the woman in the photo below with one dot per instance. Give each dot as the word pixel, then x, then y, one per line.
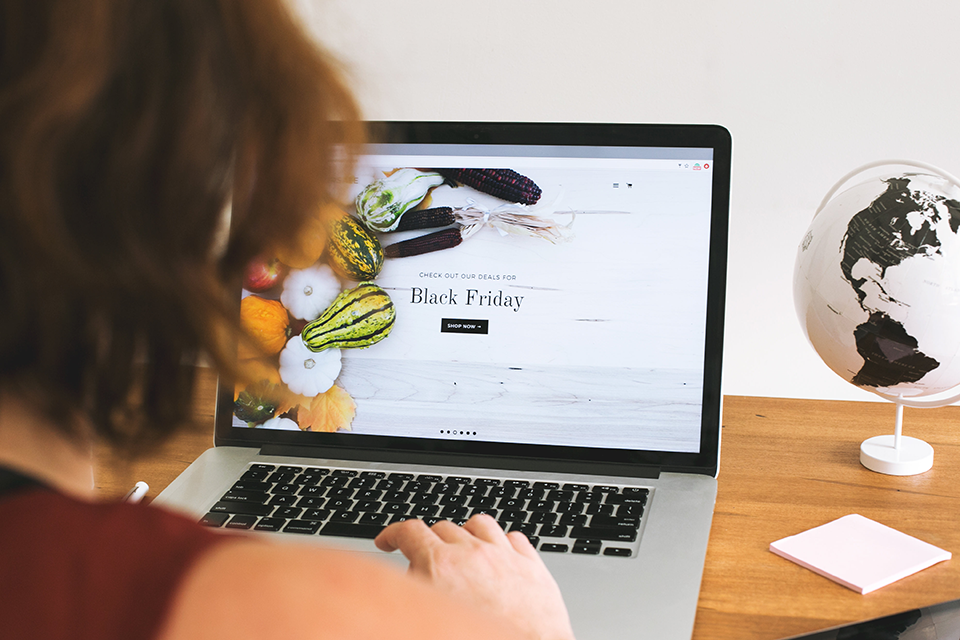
pixel 127 130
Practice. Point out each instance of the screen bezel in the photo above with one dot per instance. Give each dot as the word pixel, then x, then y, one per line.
pixel 529 456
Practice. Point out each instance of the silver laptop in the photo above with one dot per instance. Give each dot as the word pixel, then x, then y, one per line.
pixel 556 365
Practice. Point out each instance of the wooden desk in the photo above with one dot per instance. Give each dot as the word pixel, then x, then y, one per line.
pixel 786 466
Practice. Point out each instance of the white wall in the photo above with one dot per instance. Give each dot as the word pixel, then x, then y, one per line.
pixel 809 90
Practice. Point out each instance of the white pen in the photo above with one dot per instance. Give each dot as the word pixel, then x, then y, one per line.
pixel 136 494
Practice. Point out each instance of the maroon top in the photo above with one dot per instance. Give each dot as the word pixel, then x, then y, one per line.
pixel 77 570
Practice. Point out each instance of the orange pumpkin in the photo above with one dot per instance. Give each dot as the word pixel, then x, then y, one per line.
pixel 311 240
pixel 267 322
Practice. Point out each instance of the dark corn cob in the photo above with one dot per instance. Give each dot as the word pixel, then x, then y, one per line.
pixel 505 184
pixel 426 219
pixel 424 244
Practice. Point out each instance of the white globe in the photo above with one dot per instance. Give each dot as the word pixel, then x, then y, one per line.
pixel 877 285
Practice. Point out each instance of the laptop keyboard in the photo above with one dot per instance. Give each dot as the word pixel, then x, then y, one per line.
pixel 589 519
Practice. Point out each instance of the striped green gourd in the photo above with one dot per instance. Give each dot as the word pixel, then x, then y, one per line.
pixel 355 253
pixel 359 317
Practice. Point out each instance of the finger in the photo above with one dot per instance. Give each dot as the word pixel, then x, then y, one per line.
pixel 449 532
pixel 521 543
pixel 486 528
pixel 412 537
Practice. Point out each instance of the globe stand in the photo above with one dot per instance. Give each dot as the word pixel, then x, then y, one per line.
pixel 897 454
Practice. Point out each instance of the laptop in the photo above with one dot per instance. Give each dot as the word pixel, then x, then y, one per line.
pixel 557 364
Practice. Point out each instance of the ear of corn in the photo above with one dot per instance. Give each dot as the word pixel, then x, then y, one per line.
pixel 505 184
pixel 426 219
pixel 435 241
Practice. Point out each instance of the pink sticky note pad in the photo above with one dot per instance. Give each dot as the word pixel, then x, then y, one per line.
pixel 859 553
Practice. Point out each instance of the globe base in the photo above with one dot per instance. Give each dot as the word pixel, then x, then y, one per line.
pixel 879 454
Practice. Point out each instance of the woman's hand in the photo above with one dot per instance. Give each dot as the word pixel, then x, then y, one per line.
pixel 479 563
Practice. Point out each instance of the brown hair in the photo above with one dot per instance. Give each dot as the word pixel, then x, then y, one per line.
pixel 125 130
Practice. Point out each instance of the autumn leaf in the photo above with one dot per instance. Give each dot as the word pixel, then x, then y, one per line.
pixel 328 411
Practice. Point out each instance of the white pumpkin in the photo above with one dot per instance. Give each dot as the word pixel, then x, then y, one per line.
pixel 308 292
pixel 306 372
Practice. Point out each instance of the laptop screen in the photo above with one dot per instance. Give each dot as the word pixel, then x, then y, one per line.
pixel 563 295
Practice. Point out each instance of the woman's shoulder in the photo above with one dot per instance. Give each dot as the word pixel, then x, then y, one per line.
pixel 87 569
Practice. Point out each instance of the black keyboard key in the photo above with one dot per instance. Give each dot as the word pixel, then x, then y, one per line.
pixel 546 486
pixel 631 510
pixel 453 512
pixel 493 513
pixel 349 530
pixel 344 516
pixel 397 496
pixel 423 498
pixel 513 515
pixel 635 491
pixel 308 527
pixel 502 492
pixel 242 507
pixel 559 496
pixel 285 489
pixel 334 481
pixel 472 490
pixel 315 514
pixel 287 512
pixel 588 497
pixel 554 547
pixel 596 508
pixel 339 504
pixel 553 531
pixel 389 485
pixel 613 534
pixel 527 528
pixel 400 517
pixel 290 469
pixel 401 477
pixel 575 487
pixel 278 477
pixel 340 492
pixel 368 494
pixel 591 547
pixel 313 491
pixel 622 552
pixel 255 475
pixel 262 467
pixel 454 501
pixel 516 484
pixel 573 519
pixel 543 517
pixel 283 500
pixel 424 510
pixel 374 518
pixel 270 524
pixel 417 487
pixel 345 473
pixel 458 480
pixel 531 494
pixel 625 499
pixel 510 503
pixel 614 521
pixel 395 507
pixel 376 475
pixel 600 488
pixel 311 503
pixel 367 505
pixel 235 495
pixel 241 521
pixel 429 478
pixel 487 482
pixel 541 505
pixel 571 507
pixel 443 488
pixel 214 519
pixel 482 502
pixel 251 485
pixel 362 483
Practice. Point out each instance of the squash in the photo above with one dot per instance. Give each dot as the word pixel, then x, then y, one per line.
pixel 267 322
pixel 257 403
pixel 358 318
pixel 354 252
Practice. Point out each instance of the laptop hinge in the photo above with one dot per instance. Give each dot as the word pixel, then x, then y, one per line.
pixel 464 460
